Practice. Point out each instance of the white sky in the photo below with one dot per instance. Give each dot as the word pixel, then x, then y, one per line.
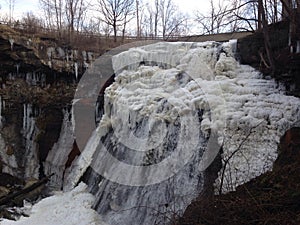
pixel 192 5
pixel 23 6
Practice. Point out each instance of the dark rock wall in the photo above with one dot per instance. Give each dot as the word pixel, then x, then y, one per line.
pixel 251 51
pixel 31 53
pixel 42 73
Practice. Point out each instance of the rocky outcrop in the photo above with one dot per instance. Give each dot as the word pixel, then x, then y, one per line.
pixel 21 52
pixel 37 83
pixel 251 52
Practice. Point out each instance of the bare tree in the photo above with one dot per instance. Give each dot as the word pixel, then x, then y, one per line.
pixel 116 13
pixel 58 7
pixel 151 19
pixel 215 20
pixel 238 15
pixel 138 24
pixel 164 18
pixel 264 22
pixel 156 16
pixel 61 14
pixel 147 22
pixel 11 5
pixel 291 13
pixel 53 11
pixel 167 10
pixel 75 11
pixel 31 22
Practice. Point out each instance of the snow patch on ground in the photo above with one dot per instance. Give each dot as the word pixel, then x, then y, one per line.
pixel 69 208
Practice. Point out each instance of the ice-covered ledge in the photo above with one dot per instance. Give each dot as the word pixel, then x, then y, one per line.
pixel 33 52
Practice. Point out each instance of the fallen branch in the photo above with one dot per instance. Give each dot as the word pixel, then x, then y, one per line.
pixel 11 197
pixel 263 60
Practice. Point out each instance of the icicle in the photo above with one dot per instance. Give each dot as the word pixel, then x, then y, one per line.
pixel 30 161
pixel 75 53
pixel 84 55
pixel 34 80
pixel 233 44
pixel 18 67
pixel 76 69
pixel 90 56
pixel 43 79
pixel 61 52
pixel 11 41
pixel 0 112
pixel 24 116
pixel 86 65
pixel 50 55
pixel 0 106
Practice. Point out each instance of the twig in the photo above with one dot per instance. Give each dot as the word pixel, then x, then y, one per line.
pixel 232 154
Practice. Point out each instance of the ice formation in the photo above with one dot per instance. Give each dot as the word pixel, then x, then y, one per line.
pixel 76 70
pixel 58 155
pixel 1 106
pixel 71 208
pixel 152 143
pixel 31 159
pixel 11 41
pixel 171 107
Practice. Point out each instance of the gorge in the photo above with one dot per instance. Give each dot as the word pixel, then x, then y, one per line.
pixel 143 145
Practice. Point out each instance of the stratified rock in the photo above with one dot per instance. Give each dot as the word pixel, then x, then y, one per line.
pixel 31 51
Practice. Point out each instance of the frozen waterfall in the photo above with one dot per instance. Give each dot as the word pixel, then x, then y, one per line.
pixel 57 157
pixel 31 159
pixel 171 107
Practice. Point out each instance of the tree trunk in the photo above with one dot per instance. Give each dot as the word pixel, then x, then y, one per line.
pixel 260 10
pixel 266 36
pixel 22 193
pixel 138 31
pixel 115 31
pixel 156 18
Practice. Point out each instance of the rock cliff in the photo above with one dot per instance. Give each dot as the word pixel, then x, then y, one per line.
pixel 24 52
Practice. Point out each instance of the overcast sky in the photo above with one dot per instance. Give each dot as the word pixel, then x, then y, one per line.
pixel 23 6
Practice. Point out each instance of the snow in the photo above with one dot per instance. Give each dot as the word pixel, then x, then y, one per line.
pixel 159 83
pixel 235 98
pixel 70 208
pixel 158 94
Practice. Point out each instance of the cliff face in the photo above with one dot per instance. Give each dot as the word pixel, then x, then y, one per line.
pixel 37 84
pixel 251 51
pixel 26 52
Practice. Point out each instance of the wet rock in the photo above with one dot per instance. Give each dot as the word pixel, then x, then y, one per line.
pixel 7 180
pixel 3 191
pixel 9 150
